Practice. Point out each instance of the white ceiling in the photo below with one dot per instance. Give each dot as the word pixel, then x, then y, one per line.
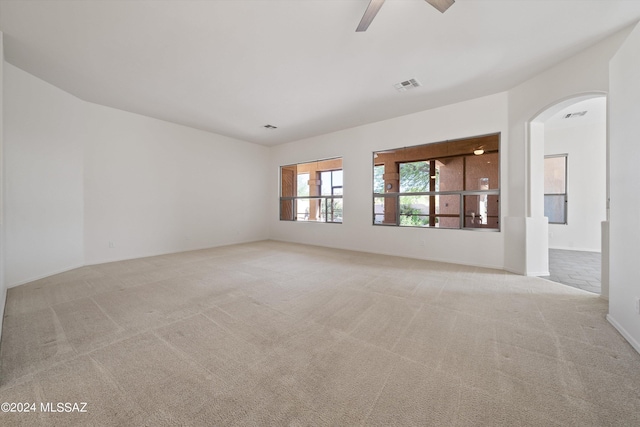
pixel 233 66
pixel 596 112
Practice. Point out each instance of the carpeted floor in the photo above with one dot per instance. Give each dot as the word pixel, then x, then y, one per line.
pixel 272 333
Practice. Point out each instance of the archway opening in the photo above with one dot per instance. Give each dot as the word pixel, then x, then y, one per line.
pixel 569 186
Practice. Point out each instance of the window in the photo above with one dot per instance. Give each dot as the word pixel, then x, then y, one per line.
pixel 453 184
pixel 311 191
pixel 555 188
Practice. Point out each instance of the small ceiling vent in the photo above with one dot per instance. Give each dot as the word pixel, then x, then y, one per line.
pixel 578 114
pixel 406 85
pixel 270 127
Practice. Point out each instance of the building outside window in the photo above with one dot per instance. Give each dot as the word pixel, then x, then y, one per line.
pixel 453 184
pixel 555 188
pixel 312 191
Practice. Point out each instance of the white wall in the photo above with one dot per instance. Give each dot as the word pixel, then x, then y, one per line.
pixel 526 229
pixel 154 187
pixel 624 128
pixel 43 173
pixel 586 184
pixel 80 175
pixel 476 117
pixel 3 287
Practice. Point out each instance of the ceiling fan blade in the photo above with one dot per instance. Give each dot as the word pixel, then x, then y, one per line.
pixel 369 14
pixel 441 5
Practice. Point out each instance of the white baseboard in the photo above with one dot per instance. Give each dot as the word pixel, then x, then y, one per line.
pixel 53 273
pixel 3 302
pixel 171 252
pixel 86 264
pixel 395 254
pixel 562 248
pixel 635 344
pixel 538 274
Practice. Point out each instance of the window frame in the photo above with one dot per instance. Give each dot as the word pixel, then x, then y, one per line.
pixel 566 188
pixel 325 202
pixel 462 223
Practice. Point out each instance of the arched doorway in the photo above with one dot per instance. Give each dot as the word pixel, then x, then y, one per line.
pixel 568 184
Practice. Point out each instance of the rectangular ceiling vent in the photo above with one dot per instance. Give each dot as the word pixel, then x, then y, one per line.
pixel 578 114
pixel 406 85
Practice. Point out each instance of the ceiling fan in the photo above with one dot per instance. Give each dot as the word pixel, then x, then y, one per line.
pixel 375 5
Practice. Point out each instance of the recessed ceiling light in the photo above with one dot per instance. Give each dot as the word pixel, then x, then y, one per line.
pixel 270 127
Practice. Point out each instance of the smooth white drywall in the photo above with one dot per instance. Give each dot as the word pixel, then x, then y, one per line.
pixel 586 72
pixel 605 256
pixel 79 176
pixel 153 187
pixel 43 178
pixel 624 111
pixel 536 167
pixel 536 242
pixel 3 286
pixel 356 146
pixel 585 146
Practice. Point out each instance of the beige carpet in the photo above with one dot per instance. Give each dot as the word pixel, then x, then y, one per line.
pixel 280 334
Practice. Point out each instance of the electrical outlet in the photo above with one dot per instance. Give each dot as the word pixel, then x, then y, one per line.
pixel 112 245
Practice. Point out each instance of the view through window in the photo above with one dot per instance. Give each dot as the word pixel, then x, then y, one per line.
pixel 453 184
pixel 555 188
pixel 311 191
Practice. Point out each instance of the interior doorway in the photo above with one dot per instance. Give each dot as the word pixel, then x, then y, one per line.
pixel 571 178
